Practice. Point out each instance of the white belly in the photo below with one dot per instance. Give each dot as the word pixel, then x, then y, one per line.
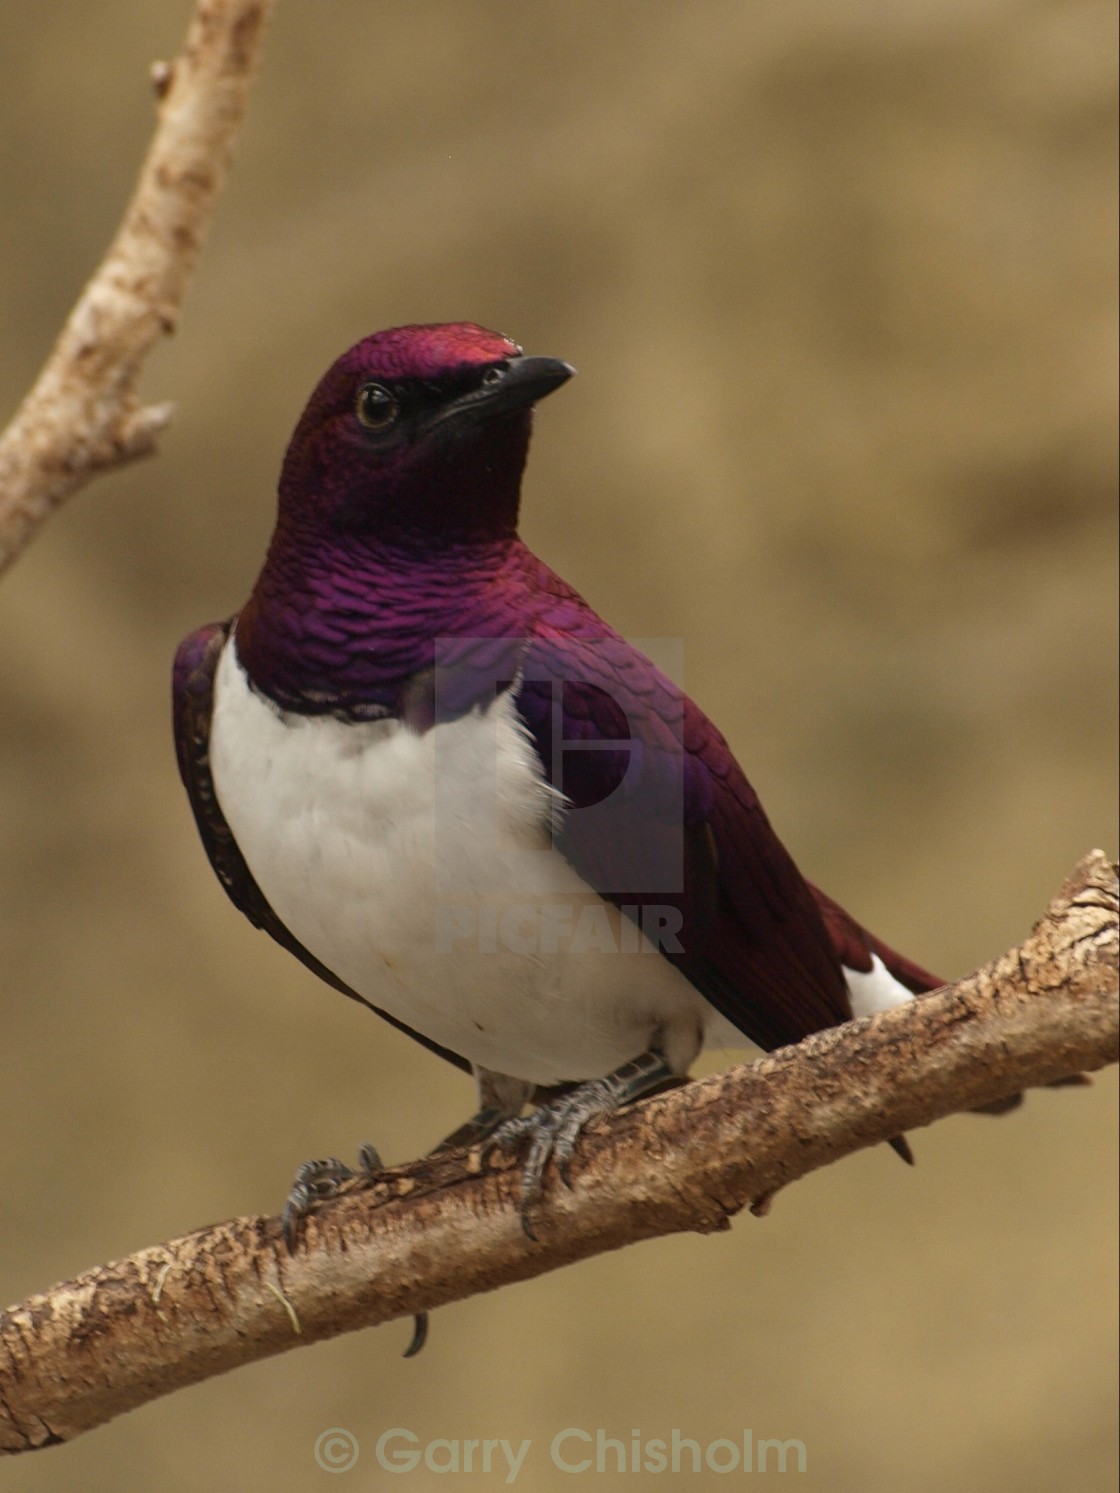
pixel 419 869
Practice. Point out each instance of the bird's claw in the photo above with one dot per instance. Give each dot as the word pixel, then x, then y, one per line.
pixel 551 1133
pixel 369 1159
pixel 419 1335
pixel 314 1182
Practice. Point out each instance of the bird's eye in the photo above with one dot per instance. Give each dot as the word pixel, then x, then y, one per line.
pixel 494 375
pixel 376 407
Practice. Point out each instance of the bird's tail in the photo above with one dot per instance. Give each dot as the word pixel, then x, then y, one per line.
pixel 855 948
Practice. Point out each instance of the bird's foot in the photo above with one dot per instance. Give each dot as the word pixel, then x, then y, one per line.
pixel 314 1182
pixel 552 1130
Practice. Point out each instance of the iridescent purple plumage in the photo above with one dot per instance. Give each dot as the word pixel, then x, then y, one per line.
pixel 380 550
pixel 396 596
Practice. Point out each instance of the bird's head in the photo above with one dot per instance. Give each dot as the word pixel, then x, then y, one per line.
pixel 418 433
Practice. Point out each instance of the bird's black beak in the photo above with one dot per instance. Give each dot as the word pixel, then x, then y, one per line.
pixel 513 384
pixel 525 380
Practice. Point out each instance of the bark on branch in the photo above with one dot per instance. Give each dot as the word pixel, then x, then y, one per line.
pixel 83 415
pixel 447 1227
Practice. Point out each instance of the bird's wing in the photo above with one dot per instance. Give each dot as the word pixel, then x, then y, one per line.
pixel 663 823
pixel 193 696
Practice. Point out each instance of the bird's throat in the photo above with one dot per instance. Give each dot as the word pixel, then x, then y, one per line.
pixel 344 629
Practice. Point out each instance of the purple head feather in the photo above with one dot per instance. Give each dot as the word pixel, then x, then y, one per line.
pixel 417 482
pixel 397 514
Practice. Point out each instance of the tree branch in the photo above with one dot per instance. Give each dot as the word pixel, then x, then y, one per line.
pixel 447 1227
pixel 83 415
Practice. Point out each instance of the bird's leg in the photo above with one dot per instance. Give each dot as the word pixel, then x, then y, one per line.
pixel 316 1181
pixel 552 1130
pixel 500 1098
pixel 480 1127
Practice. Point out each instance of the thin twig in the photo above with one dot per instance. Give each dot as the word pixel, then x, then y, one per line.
pixel 448 1227
pixel 83 415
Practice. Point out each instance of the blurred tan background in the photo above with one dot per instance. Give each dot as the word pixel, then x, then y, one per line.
pixel 839 280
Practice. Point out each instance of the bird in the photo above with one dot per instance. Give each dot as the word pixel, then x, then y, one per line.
pixel 421 762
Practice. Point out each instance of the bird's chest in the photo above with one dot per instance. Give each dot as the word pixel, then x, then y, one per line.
pixel 379 846
pixel 373 821
pixel 420 868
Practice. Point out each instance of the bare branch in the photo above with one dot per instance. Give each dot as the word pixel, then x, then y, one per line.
pixel 83 415
pixel 447 1227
